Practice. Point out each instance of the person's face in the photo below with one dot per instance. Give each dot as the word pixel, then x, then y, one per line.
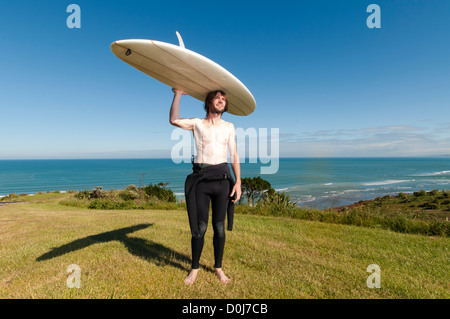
pixel 218 103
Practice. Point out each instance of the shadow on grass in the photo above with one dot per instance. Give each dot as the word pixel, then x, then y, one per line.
pixel 142 248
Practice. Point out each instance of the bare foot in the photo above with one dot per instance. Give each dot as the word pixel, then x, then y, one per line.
pixel 189 280
pixel 221 275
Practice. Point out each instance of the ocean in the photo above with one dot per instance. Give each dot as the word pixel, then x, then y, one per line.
pixel 313 182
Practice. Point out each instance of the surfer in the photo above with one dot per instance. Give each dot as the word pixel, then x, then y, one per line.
pixel 211 180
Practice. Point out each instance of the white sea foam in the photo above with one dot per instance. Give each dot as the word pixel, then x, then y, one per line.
pixel 306 199
pixel 434 173
pixel 328 184
pixel 351 191
pixel 387 182
pixel 281 189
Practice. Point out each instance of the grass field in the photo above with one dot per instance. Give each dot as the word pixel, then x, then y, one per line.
pixel 146 254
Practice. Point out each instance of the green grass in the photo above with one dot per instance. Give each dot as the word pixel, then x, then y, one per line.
pixel 421 205
pixel 425 213
pixel 146 254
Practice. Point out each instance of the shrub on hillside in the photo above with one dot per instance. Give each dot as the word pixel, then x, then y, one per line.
pixel 420 193
pixel 255 190
pixel 130 198
pixel 161 192
pixel 279 203
pixel 96 193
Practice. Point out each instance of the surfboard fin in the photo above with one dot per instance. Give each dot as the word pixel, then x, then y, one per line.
pixel 180 40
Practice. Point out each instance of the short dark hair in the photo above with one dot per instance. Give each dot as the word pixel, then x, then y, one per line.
pixel 211 95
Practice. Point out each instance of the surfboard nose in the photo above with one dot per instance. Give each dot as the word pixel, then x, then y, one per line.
pixel 119 45
pixel 115 44
pixel 128 41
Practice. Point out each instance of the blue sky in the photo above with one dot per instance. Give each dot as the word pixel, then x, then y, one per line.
pixel 331 85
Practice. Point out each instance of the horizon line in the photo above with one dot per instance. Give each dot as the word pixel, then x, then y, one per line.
pixel 246 158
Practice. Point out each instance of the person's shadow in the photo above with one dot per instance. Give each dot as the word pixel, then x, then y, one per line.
pixel 142 248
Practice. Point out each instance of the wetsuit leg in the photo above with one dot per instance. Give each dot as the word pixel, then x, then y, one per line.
pixel 219 209
pixel 203 198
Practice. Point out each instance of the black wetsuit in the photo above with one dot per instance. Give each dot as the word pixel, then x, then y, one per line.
pixel 209 184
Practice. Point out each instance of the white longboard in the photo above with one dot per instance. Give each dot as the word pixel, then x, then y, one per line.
pixel 185 70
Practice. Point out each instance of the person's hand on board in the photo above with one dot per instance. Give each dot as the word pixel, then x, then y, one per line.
pixel 176 91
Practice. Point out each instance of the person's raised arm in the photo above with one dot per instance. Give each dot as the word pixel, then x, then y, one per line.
pixel 187 124
pixel 235 165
